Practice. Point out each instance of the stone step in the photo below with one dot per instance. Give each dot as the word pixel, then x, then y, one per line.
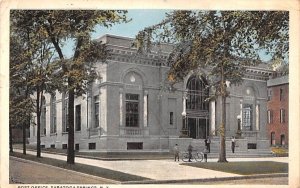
pixel 241 155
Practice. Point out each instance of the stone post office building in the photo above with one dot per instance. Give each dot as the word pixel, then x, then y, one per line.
pixel 130 109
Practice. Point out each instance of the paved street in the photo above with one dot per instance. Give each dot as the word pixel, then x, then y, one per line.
pixel 28 172
pixel 160 169
pixel 256 181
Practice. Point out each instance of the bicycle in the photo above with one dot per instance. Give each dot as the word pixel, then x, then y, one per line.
pixel 196 156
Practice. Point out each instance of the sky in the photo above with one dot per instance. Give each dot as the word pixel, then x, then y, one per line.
pixel 141 18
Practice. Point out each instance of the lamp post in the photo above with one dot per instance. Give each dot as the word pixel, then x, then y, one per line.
pixel 184 128
pixel 238 132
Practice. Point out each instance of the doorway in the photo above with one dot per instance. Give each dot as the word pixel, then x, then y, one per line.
pixel 198 128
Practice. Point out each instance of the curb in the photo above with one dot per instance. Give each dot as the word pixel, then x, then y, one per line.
pixel 207 179
pixel 213 156
pixel 98 158
pixel 67 170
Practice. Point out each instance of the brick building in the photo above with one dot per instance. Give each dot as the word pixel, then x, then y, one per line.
pixel 278 100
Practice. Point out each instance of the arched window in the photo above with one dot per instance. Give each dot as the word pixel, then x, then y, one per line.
pixel 196 95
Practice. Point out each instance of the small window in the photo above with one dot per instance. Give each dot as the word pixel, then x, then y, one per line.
pixel 92 145
pixel 65 127
pixel 76 147
pixel 269 94
pixel 270 116
pixel 251 146
pixel 281 94
pixel 282 115
pixel 52 146
pixel 273 142
pixel 43 118
pixel 78 117
pixel 132 97
pixel 53 123
pixel 96 111
pixel 134 145
pixel 282 140
pixel 42 146
pixel 65 146
pixel 171 118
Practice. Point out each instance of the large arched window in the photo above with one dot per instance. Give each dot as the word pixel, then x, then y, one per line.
pixel 197 94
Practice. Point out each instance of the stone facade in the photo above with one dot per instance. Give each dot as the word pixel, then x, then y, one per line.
pixel 278 110
pixel 131 109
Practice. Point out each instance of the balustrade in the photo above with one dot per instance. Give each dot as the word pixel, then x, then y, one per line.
pixel 133 131
pixel 249 134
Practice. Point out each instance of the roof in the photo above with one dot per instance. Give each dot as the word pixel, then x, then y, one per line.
pixel 278 81
pixel 127 42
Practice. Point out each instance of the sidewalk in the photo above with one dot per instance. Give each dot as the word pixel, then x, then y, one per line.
pixel 30 172
pixel 161 170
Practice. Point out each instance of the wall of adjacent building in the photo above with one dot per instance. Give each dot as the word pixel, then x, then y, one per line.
pixel 275 104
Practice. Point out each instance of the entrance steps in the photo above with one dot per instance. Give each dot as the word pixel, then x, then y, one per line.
pixel 241 149
pixel 250 154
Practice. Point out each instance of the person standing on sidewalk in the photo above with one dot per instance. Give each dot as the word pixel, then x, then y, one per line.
pixel 176 152
pixel 208 144
pixel 205 152
pixel 190 149
pixel 232 144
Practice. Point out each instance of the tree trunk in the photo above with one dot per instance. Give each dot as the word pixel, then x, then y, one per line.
pixel 71 151
pixel 11 150
pixel 24 138
pixel 38 116
pixel 222 154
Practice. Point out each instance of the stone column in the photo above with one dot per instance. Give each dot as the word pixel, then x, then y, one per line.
pixel 257 116
pixel 146 109
pixel 121 107
pixel 184 109
pixel 241 113
pixel 213 116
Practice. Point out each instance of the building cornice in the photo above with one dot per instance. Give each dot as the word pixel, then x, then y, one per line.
pixel 121 50
pixel 132 56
